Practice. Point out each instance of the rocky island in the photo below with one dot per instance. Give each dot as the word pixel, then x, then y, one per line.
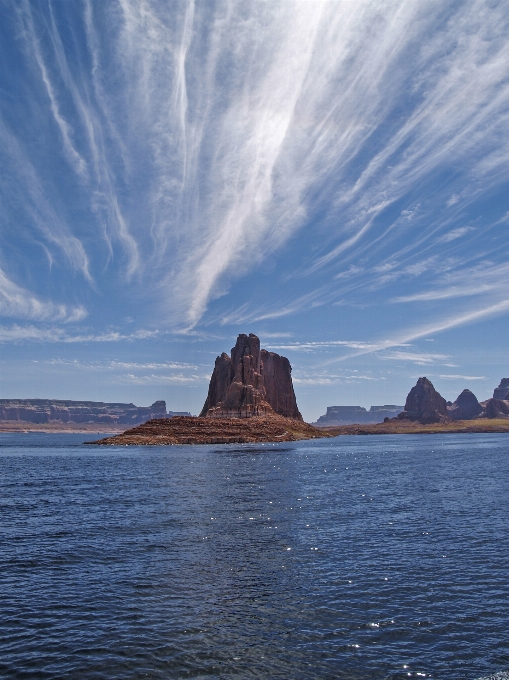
pixel 250 399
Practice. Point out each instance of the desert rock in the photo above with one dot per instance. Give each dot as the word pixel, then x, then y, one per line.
pixel 67 411
pixel 466 407
pixel 272 428
pixel 496 408
pixel 424 404
pixel 502 391
pixel 252 382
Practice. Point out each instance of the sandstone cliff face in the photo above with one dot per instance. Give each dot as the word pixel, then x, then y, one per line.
pixel 424 404
pixel 252 382
pixel 277 378
pixel 466 407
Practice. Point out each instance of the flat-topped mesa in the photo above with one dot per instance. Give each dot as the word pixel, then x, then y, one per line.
pixel 424 404
pixel 252 382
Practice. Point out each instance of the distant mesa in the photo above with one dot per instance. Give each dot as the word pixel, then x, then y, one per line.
pixel 252 382
pixel 54 411
pixel 348 415
pixel 423 405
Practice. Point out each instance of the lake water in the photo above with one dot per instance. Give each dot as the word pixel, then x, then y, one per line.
pixel 353 558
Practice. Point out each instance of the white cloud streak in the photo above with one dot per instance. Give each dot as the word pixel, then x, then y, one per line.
pixel 229 127
pixel 462 377
pixel 30 333
pixel 410 335
pixel 19 303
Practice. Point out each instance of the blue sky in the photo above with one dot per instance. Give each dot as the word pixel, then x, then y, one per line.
pixel 332 176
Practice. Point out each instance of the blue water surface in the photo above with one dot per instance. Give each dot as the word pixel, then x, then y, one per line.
pixel 379 557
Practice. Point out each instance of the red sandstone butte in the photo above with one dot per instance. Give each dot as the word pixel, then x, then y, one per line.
pixel 250 399
pixel 252 382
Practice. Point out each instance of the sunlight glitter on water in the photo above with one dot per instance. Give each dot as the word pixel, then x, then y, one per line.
pixel 165 573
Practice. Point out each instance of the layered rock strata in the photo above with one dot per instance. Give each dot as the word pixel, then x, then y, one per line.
pixel 252 382
pixel 40 411
pixel 272 428
pixel 348 415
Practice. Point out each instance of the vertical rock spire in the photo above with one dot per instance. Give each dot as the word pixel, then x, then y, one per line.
pixel 252 382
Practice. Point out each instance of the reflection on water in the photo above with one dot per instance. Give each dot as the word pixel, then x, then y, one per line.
pixel 352 558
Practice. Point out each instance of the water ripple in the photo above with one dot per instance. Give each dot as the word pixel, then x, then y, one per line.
pixel 380 558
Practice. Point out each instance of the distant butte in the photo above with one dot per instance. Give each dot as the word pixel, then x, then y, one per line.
pixel 250 399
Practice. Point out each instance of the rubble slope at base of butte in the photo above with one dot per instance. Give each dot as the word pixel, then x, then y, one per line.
pixel 250 399
pixel 425 405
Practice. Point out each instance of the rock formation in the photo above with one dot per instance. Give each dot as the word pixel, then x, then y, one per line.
pixel 272 428
pixel 495 408
pixel 252 382
pixel 67 411
pixel 502 391
pixel 466 407
pixel 424 404
pixel 349 415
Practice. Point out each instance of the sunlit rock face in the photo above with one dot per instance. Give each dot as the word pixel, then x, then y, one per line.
pixel 424 404
pixel 466 407
pixel 252 382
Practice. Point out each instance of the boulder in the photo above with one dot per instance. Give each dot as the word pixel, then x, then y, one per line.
pixel 252 382
pixel 424 404
pixel 466 407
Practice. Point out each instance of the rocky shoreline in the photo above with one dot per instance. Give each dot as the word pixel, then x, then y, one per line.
pixel 190 430
pixel 408 427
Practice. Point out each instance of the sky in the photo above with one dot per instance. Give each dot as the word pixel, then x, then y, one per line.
pixel 332 176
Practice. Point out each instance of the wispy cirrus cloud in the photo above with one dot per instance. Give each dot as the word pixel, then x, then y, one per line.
pixel 406 336
pixel 19 303
pixel 332 169
pixel 226 130
pixel 117 365
pixel 31 333
pixel 422 358
pixel 462 377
